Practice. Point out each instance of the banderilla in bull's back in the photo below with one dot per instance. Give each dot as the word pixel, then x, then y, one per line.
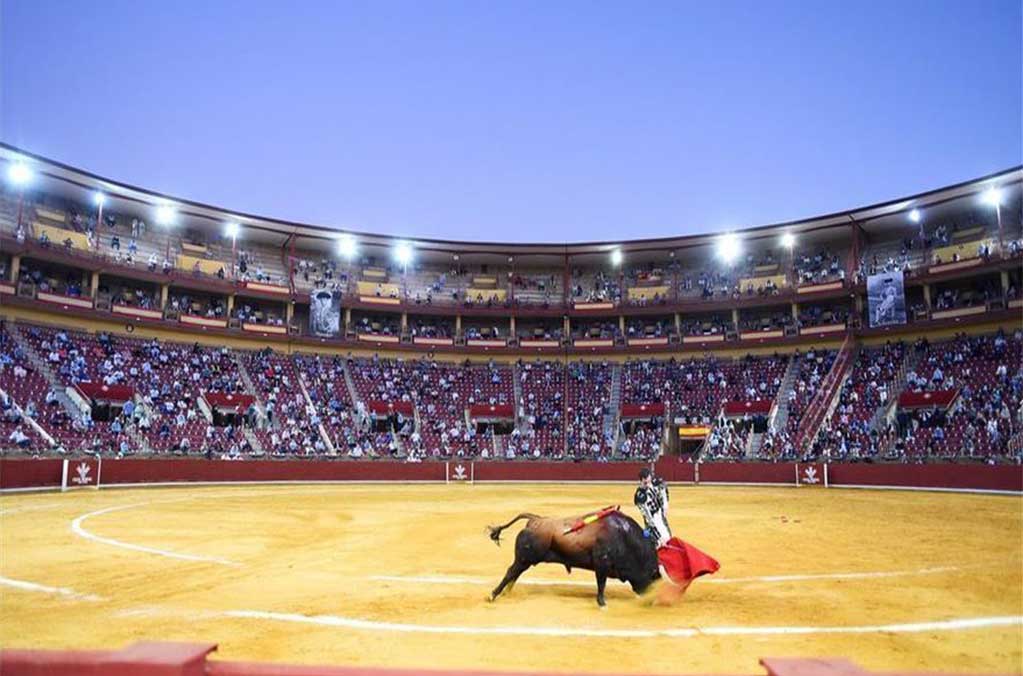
pixel 608 542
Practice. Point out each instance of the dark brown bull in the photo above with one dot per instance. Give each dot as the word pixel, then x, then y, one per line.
pixel 613 546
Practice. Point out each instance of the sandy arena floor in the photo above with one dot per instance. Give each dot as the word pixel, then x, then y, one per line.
pixel 398 576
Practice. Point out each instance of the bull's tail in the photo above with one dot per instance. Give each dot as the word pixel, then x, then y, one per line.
pixel 495 531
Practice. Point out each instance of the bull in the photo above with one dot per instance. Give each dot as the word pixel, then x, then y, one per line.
pixel 613 546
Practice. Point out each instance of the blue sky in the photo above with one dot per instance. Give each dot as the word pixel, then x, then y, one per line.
pixel 519 121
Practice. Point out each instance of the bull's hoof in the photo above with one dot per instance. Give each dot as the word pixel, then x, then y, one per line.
pixel 602 606
pixel 491 598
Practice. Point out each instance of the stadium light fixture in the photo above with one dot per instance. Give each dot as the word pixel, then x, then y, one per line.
pixel 616 257
pixel 232 229
pixel 99 199
pixel 788 240
pixel 347 246
pixel 403 253
pixel 915 215
pixel 992 196
pixel 165 214
pixel 20 174
pixel 729 248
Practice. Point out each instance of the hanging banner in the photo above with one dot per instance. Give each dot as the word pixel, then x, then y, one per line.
pixel 886 299
pixel 325 313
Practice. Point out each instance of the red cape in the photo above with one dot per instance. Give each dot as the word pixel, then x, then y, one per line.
pixel 684 563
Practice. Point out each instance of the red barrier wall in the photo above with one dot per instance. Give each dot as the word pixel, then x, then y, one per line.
pixel 675 470
pixel 22 473
pixel 149 658
pixel 558 471
pixel 27 473
pixel 137 470
pixel 738 472
pixel 976 477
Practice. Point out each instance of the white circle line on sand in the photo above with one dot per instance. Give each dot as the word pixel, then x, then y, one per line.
pixel 77 529
pixel 29 508
pixel 956 624
pixel 44 589
pixel 455 580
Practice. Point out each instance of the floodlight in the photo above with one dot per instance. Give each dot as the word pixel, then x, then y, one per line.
pixel 788 240
pixel 915 215
pixel 616 257
pixel 992 196
pixel 347 246
pixel 99 199
pixel 729 248
pixel 19 174
pixel 165 214
pixel 232 229
pixel 403 253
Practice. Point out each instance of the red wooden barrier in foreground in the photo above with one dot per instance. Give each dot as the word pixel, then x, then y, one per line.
pixel 192 659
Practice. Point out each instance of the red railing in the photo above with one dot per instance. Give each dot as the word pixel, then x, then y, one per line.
pixel 818 407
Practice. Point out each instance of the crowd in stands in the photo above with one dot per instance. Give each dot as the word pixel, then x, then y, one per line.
pixel 595 287
pixel 642 328
pixel 540 407
pixel 597 329
pixel 304 406
pixel 431 328
pixel 587 432
pixel 641 440
pixel 819 315
pixel 986 375
pixel 714 325
pixel 773 321
pixel 325 274
pixel 728 440
pixel 811 367
pixel 818 268
pixel 849 433
pixel 202 306
pixel 251 313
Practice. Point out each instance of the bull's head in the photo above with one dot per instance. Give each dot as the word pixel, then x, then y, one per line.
pixel 636 556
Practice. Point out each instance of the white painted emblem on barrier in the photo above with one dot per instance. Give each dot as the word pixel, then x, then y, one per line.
pixel 83 474
pixel 460 473
pixel 810 475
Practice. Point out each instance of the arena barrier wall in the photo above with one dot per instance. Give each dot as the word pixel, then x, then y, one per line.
pixel 193 659
pixel 29 474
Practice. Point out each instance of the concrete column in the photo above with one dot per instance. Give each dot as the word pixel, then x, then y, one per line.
pixel 165 291
pixel 795 311
pixel 289 312
pixel 348 318
pixel 404 321
pixel 621 324
pixel 15 268
pixel 511 326
pixel 458 325
pixel 859 305
pixel 230 304
pixel 735 318
pixel 678 323
pixel 1005 280
pixel 927 295
pixel 94 288
pixel 567 328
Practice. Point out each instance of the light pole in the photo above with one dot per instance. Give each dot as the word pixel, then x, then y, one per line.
pixel 788 240
pixel 99 199
pixel 232 229
pixel 165 217
pixel 993 197
pixel 20 175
